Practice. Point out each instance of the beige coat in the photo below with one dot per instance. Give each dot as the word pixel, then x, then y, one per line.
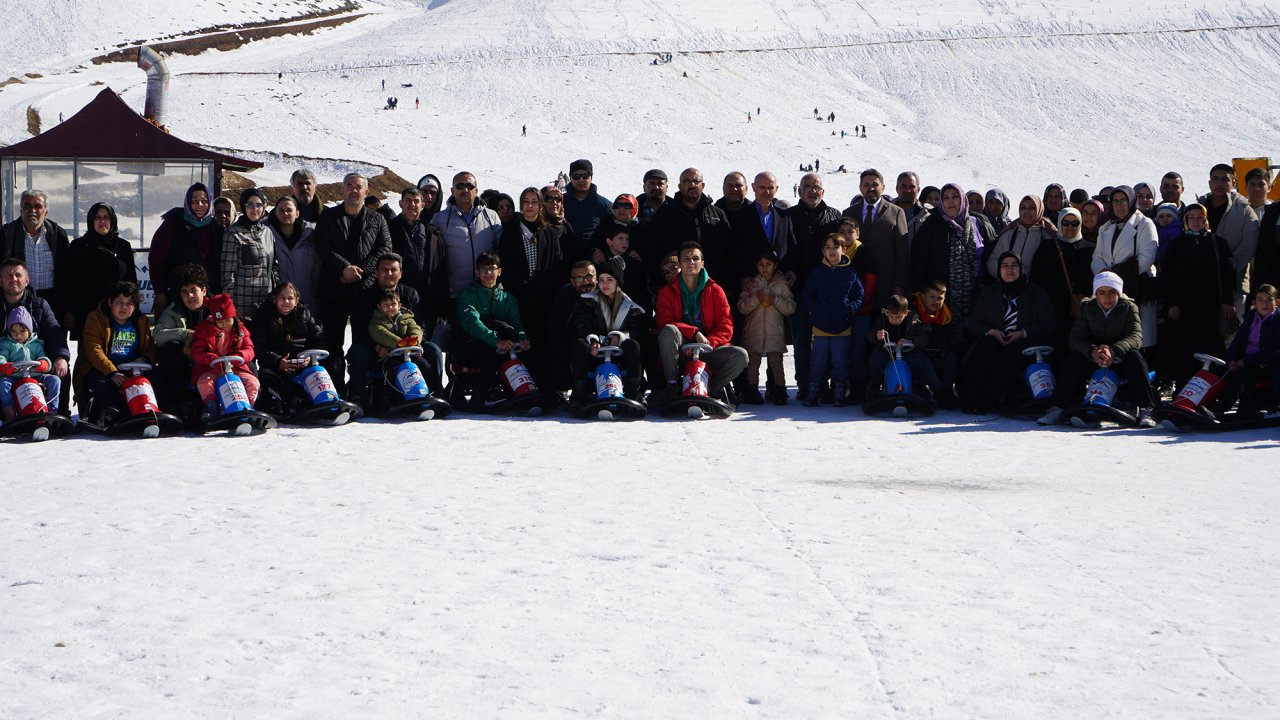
pixel 763 328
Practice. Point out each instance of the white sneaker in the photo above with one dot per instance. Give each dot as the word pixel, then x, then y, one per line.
pixel 1144 418
pixel 1051 417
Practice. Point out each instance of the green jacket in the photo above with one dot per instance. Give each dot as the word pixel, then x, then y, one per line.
pixel 1122 329
pixel 478 305
pixel 387 331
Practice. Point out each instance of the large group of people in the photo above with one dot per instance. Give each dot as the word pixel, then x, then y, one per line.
pixel 1130 275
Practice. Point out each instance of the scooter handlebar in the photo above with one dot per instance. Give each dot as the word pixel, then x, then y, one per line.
pixel 404 353
pixel 313 356
pixel 135 368
pixel 226 362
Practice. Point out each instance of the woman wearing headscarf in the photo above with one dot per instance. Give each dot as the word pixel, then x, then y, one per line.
pixel 1145 197
pixel 1062 268
pixel 96 262
pixel 948 247
pixel 996 208
pixel 1008 317
pixel 1055 198
pixel 187 234
pixel 249 269
pixel 1196 278
pixel 1022 238
pixel 1091 219
pixel 1127 246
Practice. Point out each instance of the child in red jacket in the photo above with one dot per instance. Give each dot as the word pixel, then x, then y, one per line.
pixel 221 334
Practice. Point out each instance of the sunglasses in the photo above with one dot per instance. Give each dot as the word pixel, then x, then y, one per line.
pixel 464 186
pixel 622 206
pixel 581 176
pixel 1070 223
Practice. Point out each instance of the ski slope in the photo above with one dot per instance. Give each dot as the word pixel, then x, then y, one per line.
pixel 786 563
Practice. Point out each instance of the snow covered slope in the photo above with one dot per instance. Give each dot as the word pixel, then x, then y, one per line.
pixel 788 563
pixel 977 92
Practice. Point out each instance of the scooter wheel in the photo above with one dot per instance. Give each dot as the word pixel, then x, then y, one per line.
pixel 696 412
pixel 534 411
pixel 242 430
pixel 341 418
pixel 40 434
pixel 900 411
pixel 604 415
pixel 426 414
pixel 151 431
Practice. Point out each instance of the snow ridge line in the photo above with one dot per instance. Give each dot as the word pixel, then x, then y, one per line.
pixel 469 56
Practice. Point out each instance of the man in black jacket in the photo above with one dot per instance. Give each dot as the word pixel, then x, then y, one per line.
pixel 691 218
pixel 42 244
pixel 423 260
pixel 812 220
pixel 351 239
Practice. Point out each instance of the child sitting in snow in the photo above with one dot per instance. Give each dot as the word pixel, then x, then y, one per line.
pixel 115 332
pixel 765 302
pixel 393 326
pixel 897 324
pixel 930 305
pixel 219 335
pixel 19 344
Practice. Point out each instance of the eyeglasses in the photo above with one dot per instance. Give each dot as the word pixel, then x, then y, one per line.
pixel 254 205
pixel 691 182
pixel 487 270
pixel 581 278
pixel 1070 223
pixel 1119 201
pixel 464 186
pixel 810 188
pixel 581 176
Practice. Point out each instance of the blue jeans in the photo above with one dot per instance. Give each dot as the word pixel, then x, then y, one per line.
pixel 830 353
pixel 51 383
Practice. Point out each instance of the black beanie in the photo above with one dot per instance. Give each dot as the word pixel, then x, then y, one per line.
pixel 614 266
pixel 577 165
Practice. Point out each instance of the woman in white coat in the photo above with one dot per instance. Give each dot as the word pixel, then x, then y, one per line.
pixel 1127 246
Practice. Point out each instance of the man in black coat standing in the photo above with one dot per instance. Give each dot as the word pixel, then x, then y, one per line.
pixel 691 218
pixel 351 239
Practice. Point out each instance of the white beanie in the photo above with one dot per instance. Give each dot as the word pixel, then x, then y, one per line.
pixel 1106 278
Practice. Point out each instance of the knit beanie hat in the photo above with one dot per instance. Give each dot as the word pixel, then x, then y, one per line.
pixel 1106 278
pixel 581 165
pixel 19 316
pixel 220 306
pixel 614 266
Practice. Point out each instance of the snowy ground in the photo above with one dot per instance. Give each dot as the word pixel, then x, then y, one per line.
pixel 787 563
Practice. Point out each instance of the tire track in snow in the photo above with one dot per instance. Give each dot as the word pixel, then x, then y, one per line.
pixel 799 554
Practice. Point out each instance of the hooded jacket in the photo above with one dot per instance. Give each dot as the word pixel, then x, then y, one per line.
pixel 764 329
pixel 95 263
pixel 833 295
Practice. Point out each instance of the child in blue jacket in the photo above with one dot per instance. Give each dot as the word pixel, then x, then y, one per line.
pixel 833 294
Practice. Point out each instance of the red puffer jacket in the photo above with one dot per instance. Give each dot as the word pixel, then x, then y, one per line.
pixel 208 343
pixel 717 320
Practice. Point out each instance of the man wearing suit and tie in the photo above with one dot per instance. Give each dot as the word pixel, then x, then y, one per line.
pixel 884 230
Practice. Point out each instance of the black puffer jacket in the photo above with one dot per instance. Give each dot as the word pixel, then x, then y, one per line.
pixel 275 335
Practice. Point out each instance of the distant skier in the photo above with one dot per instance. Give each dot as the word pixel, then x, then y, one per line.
pixel 748 118
pixel 415 104
pixel 817 164
pixel 524 129
pixel 815 112
pixel 384 85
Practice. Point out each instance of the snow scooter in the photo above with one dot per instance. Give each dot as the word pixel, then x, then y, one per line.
pixel 326 407
pixel 899 398
pixel 144 416
pixel 34 417
pixel 515 394
pixel 1040 383
pixel 1097 406
pixel 404 393
pixel 610 401
pixel 694 400
pixel 235 413
pixel 1189 411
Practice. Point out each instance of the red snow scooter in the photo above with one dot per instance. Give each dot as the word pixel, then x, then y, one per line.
pixel 1190 411
pixel 34 418
pixel 144 417
pixel 694 400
